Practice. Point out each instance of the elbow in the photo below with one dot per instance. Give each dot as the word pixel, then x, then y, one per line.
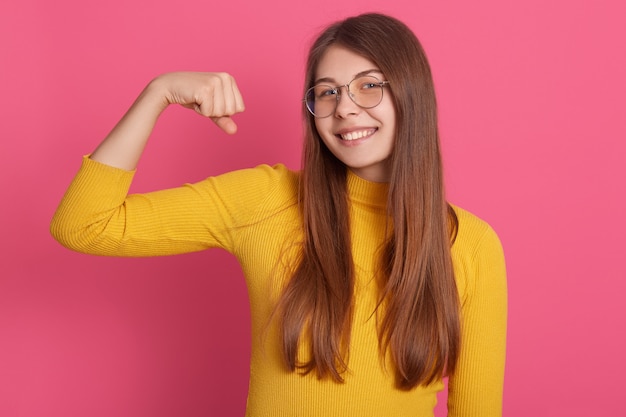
pixel 85 234
pixel 70 233
pixel 61 231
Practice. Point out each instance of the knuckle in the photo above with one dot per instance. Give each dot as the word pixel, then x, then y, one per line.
pixel 221 78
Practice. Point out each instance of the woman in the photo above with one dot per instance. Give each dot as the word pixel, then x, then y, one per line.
pixel 366 287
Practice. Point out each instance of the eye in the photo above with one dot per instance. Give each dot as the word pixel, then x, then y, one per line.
pixel 367 84
pixel 325 92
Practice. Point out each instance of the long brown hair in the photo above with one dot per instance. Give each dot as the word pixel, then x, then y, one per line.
pixel 419 326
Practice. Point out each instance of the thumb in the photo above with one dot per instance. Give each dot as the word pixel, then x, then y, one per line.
pixel 226 123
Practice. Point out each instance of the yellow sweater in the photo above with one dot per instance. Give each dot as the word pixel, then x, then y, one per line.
pixel 253 214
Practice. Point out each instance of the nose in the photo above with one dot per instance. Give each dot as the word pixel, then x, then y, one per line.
pixel 345 104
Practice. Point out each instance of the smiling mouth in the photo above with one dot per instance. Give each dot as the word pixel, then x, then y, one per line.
pixel 358 134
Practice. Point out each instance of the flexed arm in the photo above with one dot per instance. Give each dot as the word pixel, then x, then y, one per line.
pixel 213 95
pixel 97 216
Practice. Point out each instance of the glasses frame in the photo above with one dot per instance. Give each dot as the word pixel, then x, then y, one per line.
pixel 337 91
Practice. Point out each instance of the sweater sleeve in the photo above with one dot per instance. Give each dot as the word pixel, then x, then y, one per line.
pixel 475 390
pixel 96 215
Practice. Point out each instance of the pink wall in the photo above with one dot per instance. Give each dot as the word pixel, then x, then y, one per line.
pixel 532 98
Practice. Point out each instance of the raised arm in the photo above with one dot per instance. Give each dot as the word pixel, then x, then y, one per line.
pixel 213 95
pixel 97 216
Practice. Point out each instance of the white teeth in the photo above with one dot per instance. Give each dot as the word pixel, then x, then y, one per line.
pixel 356 135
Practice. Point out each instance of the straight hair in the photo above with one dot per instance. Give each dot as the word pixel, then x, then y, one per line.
pixel 418 310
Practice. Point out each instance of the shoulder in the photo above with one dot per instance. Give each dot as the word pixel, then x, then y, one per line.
pixel 473 233
pixel 477 252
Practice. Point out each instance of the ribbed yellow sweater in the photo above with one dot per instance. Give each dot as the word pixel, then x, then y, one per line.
pixel 253 214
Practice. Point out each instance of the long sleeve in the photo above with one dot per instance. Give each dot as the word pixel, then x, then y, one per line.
pixel 97 216
pixel 475 390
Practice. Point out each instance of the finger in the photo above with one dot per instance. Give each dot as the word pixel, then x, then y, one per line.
pixel 219 96
pixel 225 123
pixel 228 96
pixel 208 95
pixel 238 105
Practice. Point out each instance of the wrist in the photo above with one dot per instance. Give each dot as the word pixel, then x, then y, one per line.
pixel 155 94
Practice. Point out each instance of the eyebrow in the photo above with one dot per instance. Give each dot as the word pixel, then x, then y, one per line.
pixel 360 74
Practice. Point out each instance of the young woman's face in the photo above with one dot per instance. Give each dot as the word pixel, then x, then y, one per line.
pixel 361 138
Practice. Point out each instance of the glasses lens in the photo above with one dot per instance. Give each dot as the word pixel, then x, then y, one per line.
pixel 321 100
pixel 366 91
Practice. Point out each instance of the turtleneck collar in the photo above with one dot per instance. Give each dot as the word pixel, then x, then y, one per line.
pixel 367 192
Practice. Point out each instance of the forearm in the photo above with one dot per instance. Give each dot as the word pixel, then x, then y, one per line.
pixel 124 145
pixel 212 95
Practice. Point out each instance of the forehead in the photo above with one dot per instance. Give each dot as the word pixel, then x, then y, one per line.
pixel 342 65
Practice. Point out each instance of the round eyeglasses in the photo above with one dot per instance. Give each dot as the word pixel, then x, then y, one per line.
pixel 365 91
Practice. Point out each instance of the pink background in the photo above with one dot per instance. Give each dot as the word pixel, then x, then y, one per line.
pixel 532 97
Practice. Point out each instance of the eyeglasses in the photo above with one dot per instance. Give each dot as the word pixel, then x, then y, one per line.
pixel 366 92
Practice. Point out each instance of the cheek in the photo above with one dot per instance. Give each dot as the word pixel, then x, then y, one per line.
pixel 387 114
pixel 323 133
pixel 316 124
pixel 324 128
pixel 320 124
